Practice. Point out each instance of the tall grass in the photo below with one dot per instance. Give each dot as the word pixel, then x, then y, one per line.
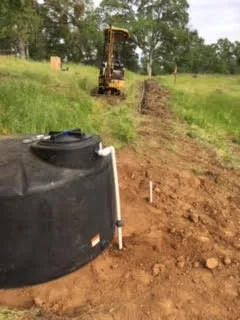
pixel 12 314
pixel 34 100
pixel 210 104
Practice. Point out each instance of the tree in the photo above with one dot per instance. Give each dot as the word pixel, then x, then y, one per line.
pixel 171 53
pixel 225 56
pixel 60 19
pixel 87 38
pixel 19 22
pixel 236 53
pixel 151 23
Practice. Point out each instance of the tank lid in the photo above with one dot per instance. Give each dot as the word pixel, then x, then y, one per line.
pixel 69 149
pixel 65 137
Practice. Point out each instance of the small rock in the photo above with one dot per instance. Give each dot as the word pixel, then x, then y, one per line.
pixel 203 220
pixel 211 263
pixel 156 270
pixel 38 302
pixel 227 261
pixel 173 196
pixel 180 259
pixel 193 217
pixel 181 264
pixel 157 190
pixel 196 264
pixel 203 239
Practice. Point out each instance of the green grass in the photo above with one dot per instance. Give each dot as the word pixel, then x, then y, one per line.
pixel 7 314
pixel 210 105
pixel 33 99
pixel 14 314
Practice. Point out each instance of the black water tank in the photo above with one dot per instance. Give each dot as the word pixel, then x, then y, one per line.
pixel 57 208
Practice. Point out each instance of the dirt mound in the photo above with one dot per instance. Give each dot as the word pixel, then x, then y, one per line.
pixel 181 257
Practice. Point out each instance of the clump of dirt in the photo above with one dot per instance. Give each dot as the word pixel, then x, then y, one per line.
pixel 181 257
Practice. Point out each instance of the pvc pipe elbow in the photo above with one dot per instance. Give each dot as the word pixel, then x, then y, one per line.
pixel 106 151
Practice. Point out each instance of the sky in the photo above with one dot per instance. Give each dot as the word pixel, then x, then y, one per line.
pixel 214 19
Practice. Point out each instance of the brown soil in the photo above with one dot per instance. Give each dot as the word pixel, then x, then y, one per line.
pixel 182 253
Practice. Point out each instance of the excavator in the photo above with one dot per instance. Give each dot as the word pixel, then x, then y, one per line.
pixel 112 72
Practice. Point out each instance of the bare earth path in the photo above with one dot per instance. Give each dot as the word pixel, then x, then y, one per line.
pixel 162 273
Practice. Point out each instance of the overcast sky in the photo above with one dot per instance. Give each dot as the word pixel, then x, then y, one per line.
pixel 214 19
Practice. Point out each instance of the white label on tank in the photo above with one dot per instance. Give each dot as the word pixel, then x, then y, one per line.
pixel 95 240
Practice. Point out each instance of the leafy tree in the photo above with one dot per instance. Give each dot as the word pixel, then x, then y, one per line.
pixel 236 54
pixel 87 39
pixel 19 21
pixel 150 22
pixel 70 30
pixel 59 20
pixel 225 56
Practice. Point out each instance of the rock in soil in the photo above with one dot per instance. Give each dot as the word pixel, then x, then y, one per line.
pixel 156 270
pixel 212 263
pixel 180 262
pixel 38 302
pixel 227 261
pixel 194 218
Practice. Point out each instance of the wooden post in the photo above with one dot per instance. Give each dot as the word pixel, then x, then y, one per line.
pixel 55 63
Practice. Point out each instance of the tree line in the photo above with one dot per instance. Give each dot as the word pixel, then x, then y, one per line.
pixel 72 29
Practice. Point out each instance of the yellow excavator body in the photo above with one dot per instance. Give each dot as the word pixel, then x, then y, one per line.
pixel 112 72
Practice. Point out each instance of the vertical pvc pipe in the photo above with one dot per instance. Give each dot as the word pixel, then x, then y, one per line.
pixel 151 192
pixel 105 152
pixel 117 197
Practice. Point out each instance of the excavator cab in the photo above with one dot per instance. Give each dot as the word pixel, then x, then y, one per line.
pixel 112 72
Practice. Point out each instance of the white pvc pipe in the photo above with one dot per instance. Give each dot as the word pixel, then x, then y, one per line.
pixel 36 138
pixel 104 153
pixel 151 192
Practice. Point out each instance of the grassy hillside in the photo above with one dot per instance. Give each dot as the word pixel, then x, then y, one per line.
pixel 33 99
pixel 210 105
